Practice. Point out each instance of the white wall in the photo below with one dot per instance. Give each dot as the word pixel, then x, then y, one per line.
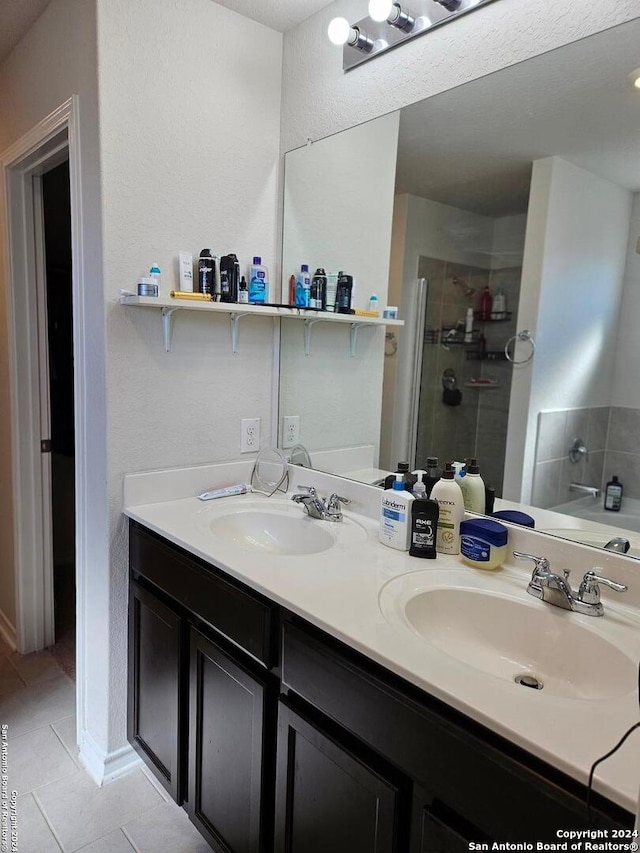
pixel 626 388
pixel 189 118
pixel 338 211
pixel 56 59
pixel 572 279
pixel 319 99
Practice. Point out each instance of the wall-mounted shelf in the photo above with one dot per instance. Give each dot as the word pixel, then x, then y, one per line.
pixel 235 312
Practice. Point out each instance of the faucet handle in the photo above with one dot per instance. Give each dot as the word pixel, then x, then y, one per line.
pixel 334 504
pixel 589 591
pixel 310 490
pixel 542 565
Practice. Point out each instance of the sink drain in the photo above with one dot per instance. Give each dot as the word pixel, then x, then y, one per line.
pixel 528 680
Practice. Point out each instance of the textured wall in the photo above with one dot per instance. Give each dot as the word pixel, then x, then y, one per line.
pixel 318 98
pixel 189 119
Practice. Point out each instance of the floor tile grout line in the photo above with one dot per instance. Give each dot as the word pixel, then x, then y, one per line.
pixel 129 839
pixel 75 759
pixel 48 822
pixel 43 726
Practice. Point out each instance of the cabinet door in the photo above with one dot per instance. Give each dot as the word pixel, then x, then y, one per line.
pixel 155 724
pixel 327 799
pixel 228 713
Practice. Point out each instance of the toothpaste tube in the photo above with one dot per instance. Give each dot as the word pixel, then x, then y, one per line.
pixel 239 489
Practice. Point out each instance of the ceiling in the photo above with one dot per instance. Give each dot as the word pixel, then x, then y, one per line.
pixel 472 147
pixel 17 16
pixel 280 15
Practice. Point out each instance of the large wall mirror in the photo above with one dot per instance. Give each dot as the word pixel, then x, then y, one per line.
pixel 525 182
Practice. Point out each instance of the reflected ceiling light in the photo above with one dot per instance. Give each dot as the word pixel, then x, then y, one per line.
pixel 634 78
pixel 341 32
pixel 450 5
pixel 392 13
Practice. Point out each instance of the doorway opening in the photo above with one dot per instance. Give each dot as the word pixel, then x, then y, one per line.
pixel 59 388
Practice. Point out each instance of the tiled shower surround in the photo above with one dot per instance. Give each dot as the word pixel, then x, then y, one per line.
pixel 610 434
pixel 478 426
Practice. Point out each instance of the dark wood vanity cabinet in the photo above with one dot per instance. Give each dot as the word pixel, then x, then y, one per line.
pixel 330 796
pixel 280 739
pixel 156 713
pixel 230 750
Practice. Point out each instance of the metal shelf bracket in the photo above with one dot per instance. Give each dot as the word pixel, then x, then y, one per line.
pixel 307 335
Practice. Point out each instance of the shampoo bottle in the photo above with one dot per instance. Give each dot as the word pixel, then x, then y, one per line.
pixel 448 496
pixel 613 495
pixel 258 282
pixel 473 488
pixel 395 516
pixel 424 522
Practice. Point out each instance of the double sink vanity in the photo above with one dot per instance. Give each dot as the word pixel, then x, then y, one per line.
pixel 298 686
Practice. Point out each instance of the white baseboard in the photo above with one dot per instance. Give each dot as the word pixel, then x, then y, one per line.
pixel 8 631
pixel 106 767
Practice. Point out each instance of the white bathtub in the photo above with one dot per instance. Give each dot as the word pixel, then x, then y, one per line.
pixel 592 510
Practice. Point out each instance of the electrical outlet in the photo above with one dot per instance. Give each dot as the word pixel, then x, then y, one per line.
pixel 290 430
pixel 249 435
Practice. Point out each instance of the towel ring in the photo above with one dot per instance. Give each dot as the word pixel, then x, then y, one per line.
pixel 521 336
pixel 390 344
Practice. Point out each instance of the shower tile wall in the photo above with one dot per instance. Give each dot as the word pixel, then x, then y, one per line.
pixel 477 427
pixel 553 470
pixel 623 449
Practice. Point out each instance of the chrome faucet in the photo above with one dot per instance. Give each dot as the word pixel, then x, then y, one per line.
pixel 556 590
pixel 316 507
pixel 594 491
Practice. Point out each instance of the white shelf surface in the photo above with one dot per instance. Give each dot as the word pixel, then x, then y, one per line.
pixel 237 310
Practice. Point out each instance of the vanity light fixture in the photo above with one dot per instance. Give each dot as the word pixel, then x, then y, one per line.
pixel 341 32
pixel 390 24
pixel 392 13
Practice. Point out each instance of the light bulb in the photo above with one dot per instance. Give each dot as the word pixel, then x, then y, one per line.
pixel 379 10
pixel 338 31
pixel 634 78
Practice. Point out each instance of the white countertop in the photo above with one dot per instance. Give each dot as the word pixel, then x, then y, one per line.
pixel 339 591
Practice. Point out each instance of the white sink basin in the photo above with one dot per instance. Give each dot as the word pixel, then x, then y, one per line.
pixel 278 528
pixel 507 635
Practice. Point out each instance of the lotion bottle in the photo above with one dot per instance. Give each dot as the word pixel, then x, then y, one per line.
pixel 448 495
pixel 473 491
pixel 395 516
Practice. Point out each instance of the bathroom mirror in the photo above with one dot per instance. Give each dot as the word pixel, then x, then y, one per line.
pixel 527 180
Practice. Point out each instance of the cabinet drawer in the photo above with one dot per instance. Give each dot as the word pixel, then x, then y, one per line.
pixel 237 613
pixel 453 759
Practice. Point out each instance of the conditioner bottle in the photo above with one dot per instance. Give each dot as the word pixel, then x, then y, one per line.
pixel 448 495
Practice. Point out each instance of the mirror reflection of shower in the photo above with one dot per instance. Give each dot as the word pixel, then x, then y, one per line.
pixel 472 419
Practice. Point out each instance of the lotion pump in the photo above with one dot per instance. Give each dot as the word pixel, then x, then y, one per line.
pixel 448 495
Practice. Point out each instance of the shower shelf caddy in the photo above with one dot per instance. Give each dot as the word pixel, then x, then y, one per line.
pixel 236 312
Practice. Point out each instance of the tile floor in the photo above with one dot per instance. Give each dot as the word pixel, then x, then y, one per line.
pixel 59 808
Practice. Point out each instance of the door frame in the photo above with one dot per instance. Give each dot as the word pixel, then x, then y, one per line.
pixel 49 143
